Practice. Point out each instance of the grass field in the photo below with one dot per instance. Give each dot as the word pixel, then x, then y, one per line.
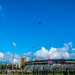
pixel 29 74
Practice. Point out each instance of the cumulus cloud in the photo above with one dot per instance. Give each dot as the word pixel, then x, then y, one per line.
pixel 55 53
pixel 1 55
pixel 43 53
pixel 16 61
pixel 9 57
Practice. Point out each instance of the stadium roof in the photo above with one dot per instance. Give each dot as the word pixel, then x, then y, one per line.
pixel 66 61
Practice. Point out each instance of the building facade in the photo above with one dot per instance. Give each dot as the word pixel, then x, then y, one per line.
pixel 22 60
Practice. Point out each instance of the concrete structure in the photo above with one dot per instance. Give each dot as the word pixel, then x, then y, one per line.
pixel 22 60
pixel 58 64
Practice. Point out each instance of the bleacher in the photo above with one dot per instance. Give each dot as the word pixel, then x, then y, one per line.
pixel 44 67
pixel 28 67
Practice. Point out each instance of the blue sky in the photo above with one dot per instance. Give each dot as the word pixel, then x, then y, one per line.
pixel 19 23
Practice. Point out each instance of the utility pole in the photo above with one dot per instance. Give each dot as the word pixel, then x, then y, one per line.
pixel 2 55
pixel 14 45
pixel 32 60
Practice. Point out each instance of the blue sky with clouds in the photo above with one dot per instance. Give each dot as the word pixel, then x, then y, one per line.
pixel 19 23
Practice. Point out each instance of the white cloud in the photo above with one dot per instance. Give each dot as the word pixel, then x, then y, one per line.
pixel 27 54
pixel 70 44
pixel 9 57
pixel 73 49
pixel 15 61
pixel 1 55
pixel 43 53
pixel 54 53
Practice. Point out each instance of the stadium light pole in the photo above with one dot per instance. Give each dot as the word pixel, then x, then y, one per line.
pixel 2 53
pixel 32 57
pixel 14 45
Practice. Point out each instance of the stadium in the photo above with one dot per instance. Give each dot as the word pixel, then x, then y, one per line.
pixel 51 66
